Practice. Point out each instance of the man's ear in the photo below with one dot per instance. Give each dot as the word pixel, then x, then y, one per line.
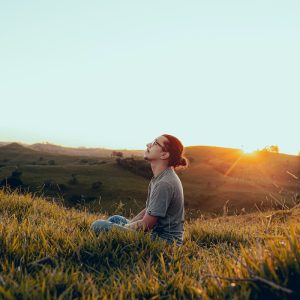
pixel 166 155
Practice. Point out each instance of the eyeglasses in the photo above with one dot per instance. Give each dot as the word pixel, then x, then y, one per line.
pixel 155 142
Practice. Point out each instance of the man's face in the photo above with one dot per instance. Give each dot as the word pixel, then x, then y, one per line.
pixel 154 149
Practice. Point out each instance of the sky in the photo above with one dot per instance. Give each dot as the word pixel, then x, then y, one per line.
pixel 118 74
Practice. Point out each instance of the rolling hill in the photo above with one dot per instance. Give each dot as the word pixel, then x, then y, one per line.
pixel 218 180
pixel 80 151
pixel 217 175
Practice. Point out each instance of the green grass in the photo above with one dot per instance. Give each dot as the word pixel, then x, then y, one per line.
pixel 47 251
pixel 118 185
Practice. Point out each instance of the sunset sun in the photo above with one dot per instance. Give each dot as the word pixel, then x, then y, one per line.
pixel 248 150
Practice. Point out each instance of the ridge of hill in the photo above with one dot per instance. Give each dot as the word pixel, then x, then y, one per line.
pixel 16 147
pixel 3 143
pixel 70 151
pixel 81 151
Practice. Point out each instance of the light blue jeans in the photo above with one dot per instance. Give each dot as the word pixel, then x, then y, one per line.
pixel 113 221
pixel 118 221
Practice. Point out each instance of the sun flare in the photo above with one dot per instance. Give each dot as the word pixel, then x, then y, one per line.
pixel 248 150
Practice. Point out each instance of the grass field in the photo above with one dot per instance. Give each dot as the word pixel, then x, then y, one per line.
pixel 119 187
pixel 48 252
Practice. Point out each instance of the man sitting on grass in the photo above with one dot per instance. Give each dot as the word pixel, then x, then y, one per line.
pixel 164 211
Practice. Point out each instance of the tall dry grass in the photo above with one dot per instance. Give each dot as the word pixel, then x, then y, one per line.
pixel 49 252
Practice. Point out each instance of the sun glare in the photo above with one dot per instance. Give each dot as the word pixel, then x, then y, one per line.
pixel 248 151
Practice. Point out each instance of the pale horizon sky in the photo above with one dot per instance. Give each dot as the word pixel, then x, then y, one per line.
pixel 117 74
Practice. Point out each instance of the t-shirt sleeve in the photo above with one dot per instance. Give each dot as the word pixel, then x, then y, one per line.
pixel 149 187
pixel 160 199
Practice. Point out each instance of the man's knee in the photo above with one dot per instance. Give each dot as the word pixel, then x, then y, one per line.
pixel 100 225
pixel 117 219
pixel 113 218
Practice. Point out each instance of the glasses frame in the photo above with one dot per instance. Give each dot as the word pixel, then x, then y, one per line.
pixel 155 142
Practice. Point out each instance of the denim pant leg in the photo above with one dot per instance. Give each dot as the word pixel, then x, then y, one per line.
pixel 106 225
pixel 118 219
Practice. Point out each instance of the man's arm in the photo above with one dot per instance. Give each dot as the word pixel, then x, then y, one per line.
pixel 145 224
pixel 139 216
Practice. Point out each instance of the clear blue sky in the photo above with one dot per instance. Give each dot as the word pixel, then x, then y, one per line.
pixel 120 73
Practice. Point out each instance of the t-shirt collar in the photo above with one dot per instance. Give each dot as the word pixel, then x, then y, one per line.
pixel 160 174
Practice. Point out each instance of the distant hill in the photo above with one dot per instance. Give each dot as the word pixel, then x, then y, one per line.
pixel 4 143
pixel 16 147
pixel 73 151
pixel 81 151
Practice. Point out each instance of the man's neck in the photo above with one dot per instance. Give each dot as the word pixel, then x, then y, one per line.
pixel 157 169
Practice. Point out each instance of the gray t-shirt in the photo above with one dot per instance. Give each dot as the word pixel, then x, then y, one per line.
pixel 166 200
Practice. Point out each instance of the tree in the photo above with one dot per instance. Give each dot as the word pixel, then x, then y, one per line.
pixel 137 166
pixel 271 148
pixel 51 162
pixel 73 180
pixel 13 180
pixel 16 173
pixel 96 185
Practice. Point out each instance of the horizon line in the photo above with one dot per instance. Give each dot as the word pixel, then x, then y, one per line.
pixel 111 148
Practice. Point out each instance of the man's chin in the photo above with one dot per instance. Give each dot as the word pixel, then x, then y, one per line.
pixel 146 157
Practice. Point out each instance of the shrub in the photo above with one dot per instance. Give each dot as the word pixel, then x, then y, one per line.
pixel 16 173
pixel 13 181
pixel 73 180
pixel 137 166
pixel 84 161
pixel 96 185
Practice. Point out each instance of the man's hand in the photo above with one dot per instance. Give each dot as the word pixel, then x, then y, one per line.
pixel 137 225
pixel 146 224
pixel 139 216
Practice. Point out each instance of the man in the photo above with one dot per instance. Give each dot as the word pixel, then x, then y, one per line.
pixel 164 212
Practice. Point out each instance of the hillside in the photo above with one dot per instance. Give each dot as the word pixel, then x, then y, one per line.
pixel 72 151
pixel 3 143
pixel 81 151
pixel 75 180
pixel 16 148
pixel 216 177
pixel 49 252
